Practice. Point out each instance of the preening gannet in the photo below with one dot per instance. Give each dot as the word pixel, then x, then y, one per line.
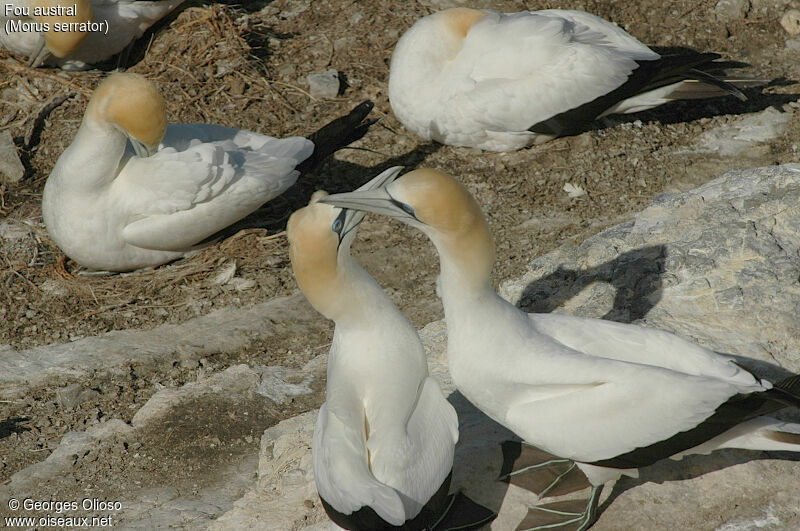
pixel 76 34
pixel 501 82
pixel 384 439
pixel 112 207
pixel 610 396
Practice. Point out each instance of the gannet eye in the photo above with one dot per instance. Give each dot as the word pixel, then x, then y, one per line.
pixel 406 208
pixel 338 223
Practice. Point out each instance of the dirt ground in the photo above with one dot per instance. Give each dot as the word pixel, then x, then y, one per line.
pixel 244 65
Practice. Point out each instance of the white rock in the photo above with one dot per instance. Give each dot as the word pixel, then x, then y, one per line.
pixel 742 135
pixel 791 22
pixel 573 191
pixel 732 9
pixel 324 84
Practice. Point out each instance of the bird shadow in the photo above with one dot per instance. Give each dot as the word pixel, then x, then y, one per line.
pixel 479 460
pixel 13 425
pixel 636 277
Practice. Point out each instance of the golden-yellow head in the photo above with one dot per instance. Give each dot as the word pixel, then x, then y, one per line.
pixel 313 250
pixel 133 104
pixel 63 43
pixel 459 20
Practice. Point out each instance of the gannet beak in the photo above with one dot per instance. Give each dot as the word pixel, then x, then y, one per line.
pixel 350 219
pixel 40 54
pixel 373 197
pixel 142 150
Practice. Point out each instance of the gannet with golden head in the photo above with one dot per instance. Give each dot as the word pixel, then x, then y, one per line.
pixel 77 34
pixel 132 191
pixel 385 437
pixel 610 396
pixel 501 82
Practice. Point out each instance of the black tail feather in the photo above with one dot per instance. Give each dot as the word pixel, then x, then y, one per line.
pixel 708 79
pixel 787 390
pixel 338 134
pixel 650 75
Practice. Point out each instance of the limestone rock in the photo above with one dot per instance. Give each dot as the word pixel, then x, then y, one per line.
pixel 718 265
pixel 743 136
pixel 221 330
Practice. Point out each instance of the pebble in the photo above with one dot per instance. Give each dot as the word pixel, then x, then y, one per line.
pixel 324 84
pixel 732 9
pixel 791 22
pixel 11 168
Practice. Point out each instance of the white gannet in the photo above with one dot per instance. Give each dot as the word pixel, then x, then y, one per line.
pixel 98 30
pixel 642 394
pixel 384 439
pixel 501 82
pixel 114 208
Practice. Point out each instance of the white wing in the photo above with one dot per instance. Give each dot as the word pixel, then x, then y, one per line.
pixel 519 69
pixel 637 344
pixel 127 21
pixel 341 472
pixel 192 188
pixel 418 465
pixel 615 400
pixel 134 13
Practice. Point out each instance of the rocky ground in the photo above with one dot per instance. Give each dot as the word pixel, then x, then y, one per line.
pixel 247 65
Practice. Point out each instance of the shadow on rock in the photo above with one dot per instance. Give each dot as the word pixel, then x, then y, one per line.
pixel 635 275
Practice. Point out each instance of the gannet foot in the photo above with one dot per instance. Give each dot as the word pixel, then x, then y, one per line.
pixel 564 514
pixel 532 469
pixel 96 273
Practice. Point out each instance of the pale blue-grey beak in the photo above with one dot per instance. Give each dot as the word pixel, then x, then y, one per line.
pixel 348 221
pixel 141 149
pixel 40 54
pixel 377 200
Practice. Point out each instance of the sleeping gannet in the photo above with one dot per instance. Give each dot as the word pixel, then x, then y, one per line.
pixel 501 82
pixel 115 205
pixel 641 394
pixel 77 34
pixel 384 439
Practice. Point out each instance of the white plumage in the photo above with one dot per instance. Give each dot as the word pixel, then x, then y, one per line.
pixel 489 80
pixel 108 208
pixel 125 21
pixel 610 396
pixel 385 436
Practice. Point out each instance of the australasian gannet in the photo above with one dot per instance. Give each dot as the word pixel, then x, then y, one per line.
pixel 117 206
pixel 642 394
pixel 384 439
pixel 501 82
pixel 82 33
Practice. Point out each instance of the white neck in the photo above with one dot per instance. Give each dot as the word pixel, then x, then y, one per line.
pixel 97 150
